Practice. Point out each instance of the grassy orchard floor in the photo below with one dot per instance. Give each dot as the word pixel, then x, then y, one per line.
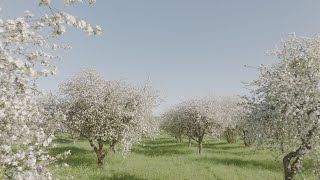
pixel 162 158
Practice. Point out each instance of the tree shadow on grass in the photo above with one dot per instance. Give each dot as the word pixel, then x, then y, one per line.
pixel 160 141
pixel 223 146
pixel 161 147
pixel 78 157
pixel 220 151
pixel 159 152
pixel 122 177
pixel 168 146
pixel 216 143
pixel 273 166
pixel 66 139
pixel 62 141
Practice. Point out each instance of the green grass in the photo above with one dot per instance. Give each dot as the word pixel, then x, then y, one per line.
pixel 162 158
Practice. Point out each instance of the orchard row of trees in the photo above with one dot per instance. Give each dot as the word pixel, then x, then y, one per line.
pixel 282 110
pixel 104 112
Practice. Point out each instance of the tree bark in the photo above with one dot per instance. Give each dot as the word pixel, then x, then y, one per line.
pixel 112 146
pixel 73 137
pixel 189 145
pixel 231 135
pixel 99 151
pixel 246 140
pixel 290 170
pixel 178 139
pixel 200 139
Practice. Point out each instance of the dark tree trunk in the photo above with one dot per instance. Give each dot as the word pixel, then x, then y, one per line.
pixel 99 151
pixel 178 139
pixel 200 139
pixel 189 145
pixel 112 146
pixel 288 172
pixel 231 135
pixel 100 156
pixel 291 169
pixel 246 140
pixel 73 135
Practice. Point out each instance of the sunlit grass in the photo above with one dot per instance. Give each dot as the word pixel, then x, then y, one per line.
pixel 162 158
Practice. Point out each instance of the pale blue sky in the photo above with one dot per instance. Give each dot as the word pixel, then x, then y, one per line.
pixel 186 47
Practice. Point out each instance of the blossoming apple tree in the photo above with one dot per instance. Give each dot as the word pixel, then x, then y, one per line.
pixel 284 106
pixel 195 118
pixel 173 124
pixel 229 111
pixel 26 44
pixel 112 112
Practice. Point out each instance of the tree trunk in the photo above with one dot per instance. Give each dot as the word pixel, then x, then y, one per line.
pixel 189 142
pixel 200 139
pixel 231 135
pixel 290 170
pixel 112 146
pixel 178 139
pixel 99 151
pixel 73 135
pixel 246 140
pixel 100 156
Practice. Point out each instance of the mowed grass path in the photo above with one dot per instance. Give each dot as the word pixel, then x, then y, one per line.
pixel 162 158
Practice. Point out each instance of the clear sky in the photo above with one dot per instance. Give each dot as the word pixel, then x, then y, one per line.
pixel 185 47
